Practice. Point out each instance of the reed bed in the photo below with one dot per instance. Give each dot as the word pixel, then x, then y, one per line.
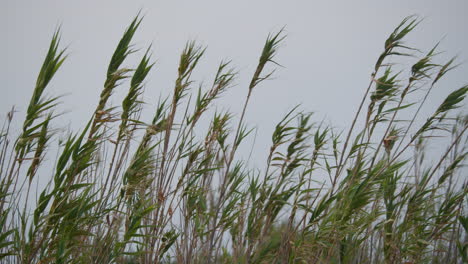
pixel 172 190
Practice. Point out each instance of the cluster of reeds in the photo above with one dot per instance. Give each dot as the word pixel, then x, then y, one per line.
pixel 169 190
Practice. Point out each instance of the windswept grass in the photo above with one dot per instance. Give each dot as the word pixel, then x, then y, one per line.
pixel 169 190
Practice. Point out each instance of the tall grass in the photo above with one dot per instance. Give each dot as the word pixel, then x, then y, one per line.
pixel 169 190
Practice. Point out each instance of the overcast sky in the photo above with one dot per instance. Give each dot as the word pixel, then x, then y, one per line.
pixel 328 55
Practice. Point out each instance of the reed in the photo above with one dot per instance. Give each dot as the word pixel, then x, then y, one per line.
pixel 169 190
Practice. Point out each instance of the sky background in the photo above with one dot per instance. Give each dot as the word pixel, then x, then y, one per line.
pixel 328 55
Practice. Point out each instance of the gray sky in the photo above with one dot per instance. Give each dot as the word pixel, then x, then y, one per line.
pixel 328 55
